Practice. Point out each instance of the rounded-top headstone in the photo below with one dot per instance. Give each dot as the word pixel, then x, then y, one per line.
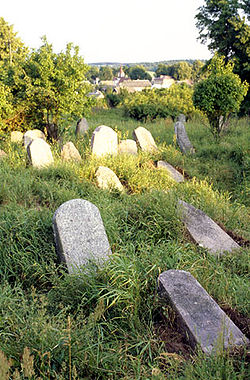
pixel 104 141
pixel 16 136
pixel 145 140
pixel 127 147
pixel 31 135
pixel 80 236
pixel 70 153
pixel 107 179
pixel 39 153
pixel 81 127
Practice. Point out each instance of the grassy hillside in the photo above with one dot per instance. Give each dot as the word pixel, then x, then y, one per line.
pixel 111 324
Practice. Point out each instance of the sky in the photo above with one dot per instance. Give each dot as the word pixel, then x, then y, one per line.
pixel 110 30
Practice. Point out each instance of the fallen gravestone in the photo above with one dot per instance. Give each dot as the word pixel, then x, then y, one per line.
pixel 39 153
pixel 127 146
pixel 16 136
pixel 104 141
pixel 70 153
pixel 181 118
pixel 200 318
pixel 107 179
pixel 2 154
pixel 205 231
pixel 31 135
pixel 182 138
pixel 145 140
pixel 81 127
pixel 178 177
pixel 79 235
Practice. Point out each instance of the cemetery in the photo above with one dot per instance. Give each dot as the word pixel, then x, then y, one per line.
pixel 109 233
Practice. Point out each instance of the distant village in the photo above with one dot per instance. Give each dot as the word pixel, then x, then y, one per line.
pixel 123 82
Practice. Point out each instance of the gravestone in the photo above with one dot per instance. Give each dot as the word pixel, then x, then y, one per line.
pixel 107 179
pixel 2 154
pixel 81 127
pixel 16 136
pixel 31 135
pixel 70 153
pixel 127 146
pixel 145 140
pixel 178 177
pixel 182 138
pixel 79 235
pixel 181 118
pixel 104 141
pixel 200 318
pixel 205 231
pixel 39 153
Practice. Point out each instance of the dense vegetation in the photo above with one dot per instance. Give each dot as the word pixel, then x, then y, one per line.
pixel 111 324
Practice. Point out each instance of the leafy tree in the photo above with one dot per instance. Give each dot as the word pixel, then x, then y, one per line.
pixel 92 73
pixel 220 94
pixel 10 45
pixel 106 73
pixel 162 69
pixel 197 71
pixel 139 72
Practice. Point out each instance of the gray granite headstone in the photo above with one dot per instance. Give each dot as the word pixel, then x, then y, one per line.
pixel 178 177
pixel 205 231
pixel 181 118
pixel 81 127
pixel 182 138
pixel 80 235
pixel 145 140
pixel 200 317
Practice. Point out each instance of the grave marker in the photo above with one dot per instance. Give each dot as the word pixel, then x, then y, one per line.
pixel 145 140
pixel 81 127
pixel 107 179
pixel 127 146
pixel 104 141
pixel 70 153
pixel 182 138
pixel 178 177
pixel 39 153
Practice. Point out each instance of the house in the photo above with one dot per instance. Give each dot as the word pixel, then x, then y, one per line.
pixel 164 81
pixel 133 85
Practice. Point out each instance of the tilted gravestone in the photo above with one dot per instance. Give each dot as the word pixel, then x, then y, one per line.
pixel 181 118
pixel 79 234
pixel 145 140
pixel 31 135
pixel 199 316
pixel 81 127
pixel 127 146
pixel 16 136
pixel 205 231
pixel 182 138
pixel 70 153
pixel 107 179
pixel 178 177
pixel 104 141
pixel 39 153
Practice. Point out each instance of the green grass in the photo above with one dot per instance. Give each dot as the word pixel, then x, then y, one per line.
pixel 103 325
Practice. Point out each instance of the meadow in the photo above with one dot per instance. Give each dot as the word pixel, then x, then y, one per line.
pixel 111 324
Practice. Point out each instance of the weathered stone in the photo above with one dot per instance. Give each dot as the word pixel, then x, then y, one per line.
pixel 39 153
pixel 181 118
pixel 70 153
pixel 16 136
pixel 178 177
pixel 182 138
pixel 200 318
pixel 31 135
pixel 81 127
pixel 2 154
pixel 80 235
pixel 107 179
pixel 104 141
pixel 205 231
pixel 127 146
pixel 145 140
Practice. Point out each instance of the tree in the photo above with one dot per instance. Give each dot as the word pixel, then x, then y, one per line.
pixel 92 73
pixel 162 69
pixel 139 72
pixel 10 45
pixel 197 71
pixel 220 94
pixel 106 73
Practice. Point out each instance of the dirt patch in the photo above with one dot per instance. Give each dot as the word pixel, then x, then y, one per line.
pixel 182 171
pixel 241 321
pixel 237 238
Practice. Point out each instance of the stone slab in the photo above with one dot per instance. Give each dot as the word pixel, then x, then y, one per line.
pixel 39 153
pixel 16 137
pixel 79 234
pixel 181 118
pixel 3 154
pixel 178 177
pixel 70 153
pixel 81 127
pixel 127 146
pixel 182 138
pixel 145 140
pixel 200 317
pixel 107 179
pixel 31 135
pixel 205 231
pixel 104 141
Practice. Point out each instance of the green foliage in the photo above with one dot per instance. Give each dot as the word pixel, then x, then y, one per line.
pixel 11 46
pixel 179 71
pixel 152 104
pixel 138 72
pixel 106 73
pixel 220 94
